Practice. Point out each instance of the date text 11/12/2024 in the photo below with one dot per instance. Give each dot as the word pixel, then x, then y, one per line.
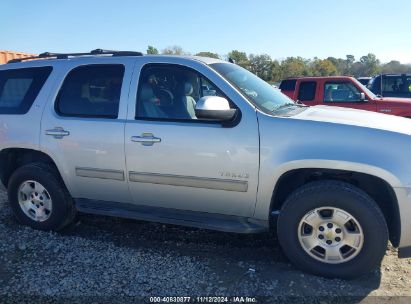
pixel 205 299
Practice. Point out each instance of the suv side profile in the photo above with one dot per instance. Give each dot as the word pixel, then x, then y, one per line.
pixel 121 134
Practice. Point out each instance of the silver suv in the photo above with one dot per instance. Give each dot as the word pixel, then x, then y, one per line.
pixel 121 134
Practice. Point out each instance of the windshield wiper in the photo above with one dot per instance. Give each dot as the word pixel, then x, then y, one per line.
pixel 288 105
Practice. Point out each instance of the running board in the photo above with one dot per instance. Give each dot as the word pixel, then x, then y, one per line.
pixel 226 223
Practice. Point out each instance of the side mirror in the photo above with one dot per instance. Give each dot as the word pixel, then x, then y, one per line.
pixel 362 96
pixel 214 108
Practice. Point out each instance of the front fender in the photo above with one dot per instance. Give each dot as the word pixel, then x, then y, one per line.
pixel 287 144
pixel 269 178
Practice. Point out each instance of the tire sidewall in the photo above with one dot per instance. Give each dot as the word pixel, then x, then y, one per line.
pixel 51 184
pixel 375 233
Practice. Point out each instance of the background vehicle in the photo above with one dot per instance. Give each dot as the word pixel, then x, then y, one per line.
pixel 391 85
pixel 342 91
pixel 88 133
pixel 364 80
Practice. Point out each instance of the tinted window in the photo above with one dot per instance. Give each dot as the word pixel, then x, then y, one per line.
pixel 408 84
pixel 171 92
pixel 394 84
pixel 341 92
pixel 20 87
pixel 288 85
pixel 307 91
pixel 374 84
pixel 364 81
pixel 91 91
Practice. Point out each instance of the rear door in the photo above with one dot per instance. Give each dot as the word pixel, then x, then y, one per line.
pixel 83 127
pixel 345 94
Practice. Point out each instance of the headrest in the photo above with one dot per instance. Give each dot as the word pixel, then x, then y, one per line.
pixel 188 88
pixel 146 92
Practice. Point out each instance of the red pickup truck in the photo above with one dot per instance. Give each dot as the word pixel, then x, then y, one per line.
pixel 342 91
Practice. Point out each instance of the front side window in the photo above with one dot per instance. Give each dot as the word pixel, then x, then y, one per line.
pixel 20 87
pixel 91 91
pixel 171 92
pixel 341 92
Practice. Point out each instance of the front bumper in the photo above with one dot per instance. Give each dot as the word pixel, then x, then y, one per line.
pixel 404 207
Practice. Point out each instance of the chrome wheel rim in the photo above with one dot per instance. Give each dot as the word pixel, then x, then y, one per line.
pixel 35 201
pixel 330 235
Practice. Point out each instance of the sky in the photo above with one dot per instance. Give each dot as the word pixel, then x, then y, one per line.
pixel 316 28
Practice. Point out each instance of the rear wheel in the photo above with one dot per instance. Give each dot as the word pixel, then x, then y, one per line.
pixel 39 199
pixel 333 229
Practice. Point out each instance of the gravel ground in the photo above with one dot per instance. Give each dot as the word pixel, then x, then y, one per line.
pixel 107 260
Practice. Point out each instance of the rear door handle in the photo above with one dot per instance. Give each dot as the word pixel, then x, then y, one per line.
pixel 146 139
pixel 57 132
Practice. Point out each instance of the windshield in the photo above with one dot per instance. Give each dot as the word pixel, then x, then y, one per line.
pixel 365 89
pixel 259 92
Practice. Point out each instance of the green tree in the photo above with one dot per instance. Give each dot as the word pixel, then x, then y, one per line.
pixel 240 58
pixel 323 68
pixel 339 64
pixel 173 50
pixel 276 73
pixel 261 65
pixel 371 65
pixel 395 67
pixel 151 50
pixel 349 61
pixel 294 67
pixel 208 54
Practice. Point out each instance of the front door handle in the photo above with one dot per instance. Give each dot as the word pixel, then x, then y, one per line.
pixel 146 139
pixel 57 132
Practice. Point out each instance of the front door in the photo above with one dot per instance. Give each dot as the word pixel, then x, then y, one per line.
pixel 175 160
pixel 83 129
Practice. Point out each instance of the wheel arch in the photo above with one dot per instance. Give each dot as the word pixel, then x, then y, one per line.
pixel 376 186
pixel 13 158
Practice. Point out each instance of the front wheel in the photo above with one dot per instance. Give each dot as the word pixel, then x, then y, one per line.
pixel 332 229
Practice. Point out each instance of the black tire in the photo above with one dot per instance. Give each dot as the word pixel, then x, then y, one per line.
pixel 338 195
pixel 63 210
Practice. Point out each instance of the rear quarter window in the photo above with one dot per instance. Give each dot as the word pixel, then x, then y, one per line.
pixel 20 87
pixel 307 91
pixel 288 85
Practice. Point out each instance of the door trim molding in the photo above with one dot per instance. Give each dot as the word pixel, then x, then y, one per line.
pixel 189 181
pixel 100 173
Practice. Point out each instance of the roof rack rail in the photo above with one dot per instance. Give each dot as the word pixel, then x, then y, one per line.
pixel 46 55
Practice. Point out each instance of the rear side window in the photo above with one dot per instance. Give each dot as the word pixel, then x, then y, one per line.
pixel 20 87
pixel 91 91
pixel 306 91
pixel 288 85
